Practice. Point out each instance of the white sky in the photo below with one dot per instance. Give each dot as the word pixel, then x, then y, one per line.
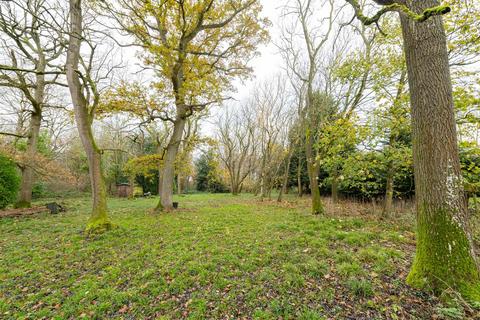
pixel 269 62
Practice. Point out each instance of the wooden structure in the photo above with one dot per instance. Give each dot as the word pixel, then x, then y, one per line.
pixel 124 190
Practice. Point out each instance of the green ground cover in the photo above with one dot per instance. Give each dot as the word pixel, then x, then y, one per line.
pixel 218 257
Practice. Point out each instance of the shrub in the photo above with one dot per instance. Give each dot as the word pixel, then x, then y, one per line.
pixel 9 181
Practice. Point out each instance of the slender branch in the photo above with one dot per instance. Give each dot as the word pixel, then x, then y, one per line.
pixel 12 134
pixel 396 7
pixel 15 69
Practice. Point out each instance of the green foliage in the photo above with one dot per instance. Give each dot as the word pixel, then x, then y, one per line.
pixel 203 45
pixel 208 176
pixel 470 163
pixel 451 313
pixel 365 172
pixel 43 144
pixel 9 181
pixel 38 190
pixel 337 142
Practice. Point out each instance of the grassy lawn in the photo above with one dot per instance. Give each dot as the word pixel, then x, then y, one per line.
pixel 219 257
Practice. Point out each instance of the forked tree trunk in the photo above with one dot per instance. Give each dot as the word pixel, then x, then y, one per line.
pixel 168 173
pixel 444 256
pixel 98 221
pixel 25 196
pixel 235 188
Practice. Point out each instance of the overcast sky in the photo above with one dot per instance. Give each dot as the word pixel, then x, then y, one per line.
pixel 269 62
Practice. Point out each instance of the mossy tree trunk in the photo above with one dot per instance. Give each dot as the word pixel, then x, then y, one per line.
pixel 37 101
pixel 25 196
pixel 98 221
pixel 299 177
pixel 444 256
pixel 168 172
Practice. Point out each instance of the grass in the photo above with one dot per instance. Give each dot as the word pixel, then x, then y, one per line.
pixel 217 257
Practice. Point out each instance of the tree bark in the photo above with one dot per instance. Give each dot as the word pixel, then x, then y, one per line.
pixel 168 174
pixel 299 178
pixel 235 188
pixel 160 179
pixel 25 196
pixel 179 184
pixel 285 178
pixel 98 221
pixel 445 257
pixel 313 173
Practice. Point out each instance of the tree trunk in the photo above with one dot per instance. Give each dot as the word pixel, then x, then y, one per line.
pixel 168 174
pixel 179 184
pixel 98 221
pixel 160 170
pixel 299 178
pixel 285 178
pixel 313 172
pixel 265 187
pixel 387 208
pixel 25 196
pixel 235 188
pixel 160 175
pixel 444 256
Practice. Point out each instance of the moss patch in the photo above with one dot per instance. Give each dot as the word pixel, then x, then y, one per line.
pixel 443 257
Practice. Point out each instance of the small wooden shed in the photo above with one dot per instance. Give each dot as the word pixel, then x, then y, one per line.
pixel 124 190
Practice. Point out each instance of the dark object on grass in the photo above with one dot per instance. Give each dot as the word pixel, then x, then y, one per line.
pixel 55 208
pixel 175 205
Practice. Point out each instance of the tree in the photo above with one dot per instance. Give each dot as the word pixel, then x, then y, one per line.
pixel 271 117
pixel 208 176
pixel 445 257
pixel 85 98
pixel 33 48
pixel 196 49
pixel 391 123
pixel 337 142
pixel 237 145
pixel 314 40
